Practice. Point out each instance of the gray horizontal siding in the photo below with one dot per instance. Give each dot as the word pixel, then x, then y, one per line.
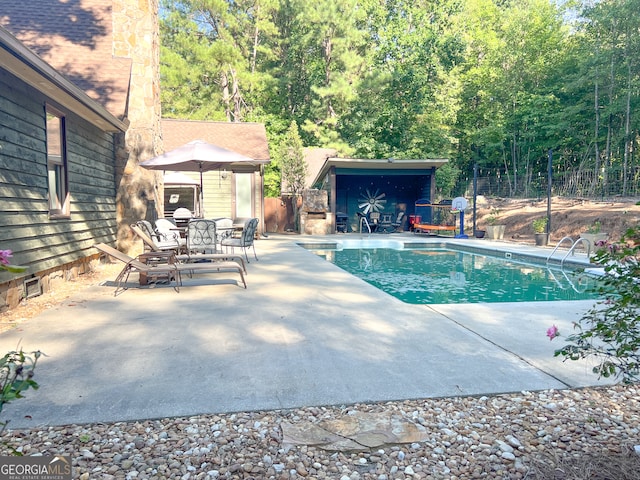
pixel 37 241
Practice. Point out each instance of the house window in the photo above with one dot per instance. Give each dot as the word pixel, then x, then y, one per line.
pixel 57 164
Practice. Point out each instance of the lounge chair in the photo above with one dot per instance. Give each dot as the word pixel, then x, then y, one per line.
pixel 170 271
pixel 151 246
pixel 245 240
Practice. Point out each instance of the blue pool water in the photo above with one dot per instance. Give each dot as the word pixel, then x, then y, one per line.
pixel 443 275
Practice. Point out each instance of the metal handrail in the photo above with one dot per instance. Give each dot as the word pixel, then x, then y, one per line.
pixel 577 242
pixel 569 281
pixel 558 245
pixel 363 220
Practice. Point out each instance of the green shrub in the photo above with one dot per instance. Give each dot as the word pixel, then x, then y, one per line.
pixel 610 330
pixel 540 225
pixel 16 376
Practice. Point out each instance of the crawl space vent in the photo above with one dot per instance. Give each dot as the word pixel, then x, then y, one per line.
pixel 32 287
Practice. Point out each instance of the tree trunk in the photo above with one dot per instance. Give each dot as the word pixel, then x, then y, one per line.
pixel 256 40
pixel 224 81
pixel 612 81
pixel 596 95
pixel 296 214
pixel 627 120
pixel 237 98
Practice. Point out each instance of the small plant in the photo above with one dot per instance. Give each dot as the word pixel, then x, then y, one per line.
pixel 16 376
pixel 494 217
pixel 16 368
pixel 540 225
pixel 595 228
pixel 610 331
pixel 5 255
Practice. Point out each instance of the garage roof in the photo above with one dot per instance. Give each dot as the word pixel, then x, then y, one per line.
pixel 383 164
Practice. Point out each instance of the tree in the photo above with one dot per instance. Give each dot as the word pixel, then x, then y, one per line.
pixel 333 44
pixel 211 58
pixel 407 97
pixel 293 168
pixel 489 81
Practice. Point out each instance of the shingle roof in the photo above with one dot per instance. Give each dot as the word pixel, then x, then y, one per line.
pixel 315 158
pixel 76 39
pixel 248 139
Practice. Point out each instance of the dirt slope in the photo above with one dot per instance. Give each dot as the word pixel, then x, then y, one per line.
pixel 568 216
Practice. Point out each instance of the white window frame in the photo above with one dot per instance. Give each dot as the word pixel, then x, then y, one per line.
pixel 57 169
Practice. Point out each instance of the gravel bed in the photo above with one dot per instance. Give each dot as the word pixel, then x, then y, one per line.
pixel 529 435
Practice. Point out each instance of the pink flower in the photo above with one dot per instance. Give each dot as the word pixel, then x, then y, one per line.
pixel 5 255
pixel 552 332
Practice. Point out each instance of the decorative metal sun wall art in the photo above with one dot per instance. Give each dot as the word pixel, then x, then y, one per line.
pixel 371 202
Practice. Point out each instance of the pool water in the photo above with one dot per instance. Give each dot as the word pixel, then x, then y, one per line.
pixel 440 275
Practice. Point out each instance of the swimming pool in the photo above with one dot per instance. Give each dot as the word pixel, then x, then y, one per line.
pixel 421 274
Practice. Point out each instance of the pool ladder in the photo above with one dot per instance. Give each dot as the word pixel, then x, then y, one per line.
pixel 583 281
pixel 364 222
pixel 571 250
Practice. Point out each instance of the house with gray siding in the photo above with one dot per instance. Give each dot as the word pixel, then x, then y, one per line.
pixel 57 171
pixel 72 136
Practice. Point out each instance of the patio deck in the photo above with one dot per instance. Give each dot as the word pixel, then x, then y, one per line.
pixel 303 333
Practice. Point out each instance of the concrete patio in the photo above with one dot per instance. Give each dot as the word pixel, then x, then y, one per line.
pixel 303 333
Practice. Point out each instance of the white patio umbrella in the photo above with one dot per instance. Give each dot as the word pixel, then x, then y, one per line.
pixel 199 156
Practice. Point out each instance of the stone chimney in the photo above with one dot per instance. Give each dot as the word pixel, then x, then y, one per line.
pixel 136 36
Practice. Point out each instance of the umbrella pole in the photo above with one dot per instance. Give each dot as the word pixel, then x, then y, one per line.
pixel 201 194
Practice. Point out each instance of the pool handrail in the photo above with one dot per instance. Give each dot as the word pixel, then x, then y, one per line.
pixel 573 247
pixel 558 246
pixel 569 281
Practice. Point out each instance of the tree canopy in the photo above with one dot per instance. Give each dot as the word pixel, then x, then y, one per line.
pixel 497 83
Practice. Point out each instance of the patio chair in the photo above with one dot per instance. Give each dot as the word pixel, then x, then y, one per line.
pixel 151 246
pixel 245 240
pixel 385 224
pixel 163 242
pixel 390 225
pixel 201 236
pixel 374 221
pixel 400 221
pixel 170 271
pixel 181 217
pixel 224 228
pixel 168 230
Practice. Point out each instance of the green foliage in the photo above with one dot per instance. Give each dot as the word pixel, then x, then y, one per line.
pixel 5 255
pixel 292 164
pixel 293 167
pixel 494 217
pixel 16 376
pixel 481 81
pixel 446 178
pixel 610 331
pixel 595 227
pixel 539 225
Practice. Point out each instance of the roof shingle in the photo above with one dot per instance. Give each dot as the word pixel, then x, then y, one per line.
pixel 75 38
pixel 249 139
